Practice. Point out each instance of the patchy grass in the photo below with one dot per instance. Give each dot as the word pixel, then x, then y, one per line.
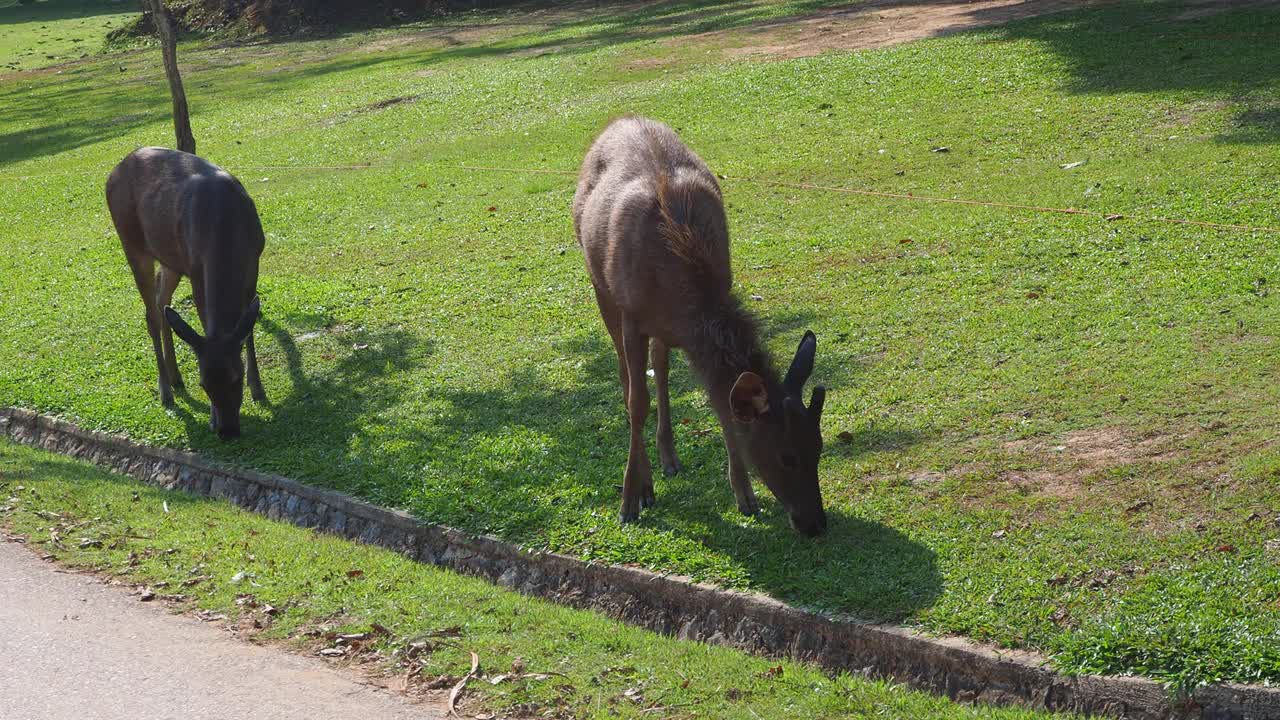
pixel 401 620
pixel 49 32
pixel 1037 424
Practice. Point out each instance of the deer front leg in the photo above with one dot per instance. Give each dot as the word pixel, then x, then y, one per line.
pixel 166 283
pixel 666 439
pixel 639 475
pixel 739 479
pixel 251 372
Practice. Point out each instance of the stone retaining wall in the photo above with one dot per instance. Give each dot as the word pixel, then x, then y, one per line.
pixel 672 605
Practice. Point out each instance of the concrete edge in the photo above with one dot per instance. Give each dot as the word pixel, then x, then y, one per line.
pixel 672 605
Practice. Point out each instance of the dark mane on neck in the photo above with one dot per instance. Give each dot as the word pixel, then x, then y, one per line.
pixel 728 345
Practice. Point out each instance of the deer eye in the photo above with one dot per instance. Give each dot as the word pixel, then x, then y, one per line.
pixel 789 461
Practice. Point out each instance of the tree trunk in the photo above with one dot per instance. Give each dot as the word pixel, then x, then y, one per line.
pixel 169 48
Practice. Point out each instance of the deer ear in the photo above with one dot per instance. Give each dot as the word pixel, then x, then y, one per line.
pixel 818 399
pixel 802 365
pixel 749 398
pixel 245 325
pixel 182 329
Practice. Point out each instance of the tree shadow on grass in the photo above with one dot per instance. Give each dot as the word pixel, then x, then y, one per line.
pixel 76 111
pixel 1211 52
pixel 50 10
pixel 584 28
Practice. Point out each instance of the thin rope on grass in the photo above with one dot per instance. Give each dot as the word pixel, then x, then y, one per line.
pixel 241 168
pixel 933 199
pixel 777 184
pixel 1012 206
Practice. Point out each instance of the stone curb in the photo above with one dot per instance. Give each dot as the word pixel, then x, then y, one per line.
pixel 672 605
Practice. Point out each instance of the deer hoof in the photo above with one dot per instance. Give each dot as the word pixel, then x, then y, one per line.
pixel 177 383
pixel 627 517
pixel 749 508
pixel 259 397
pixel 671 469
pixel 166 399
pixel 648 500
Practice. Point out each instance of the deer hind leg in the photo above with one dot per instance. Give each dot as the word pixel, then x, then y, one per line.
pixel 613 322
pixel 666 439
pixel 143 265
pixel 166 283
pixel 637 484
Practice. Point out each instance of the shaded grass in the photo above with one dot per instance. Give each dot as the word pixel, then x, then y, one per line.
pixel 49 32
pixel 227 561
pixel 428 352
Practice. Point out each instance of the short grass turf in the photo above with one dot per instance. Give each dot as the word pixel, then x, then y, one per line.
pixel 1044 430
pixel 51 32
pixel 418 621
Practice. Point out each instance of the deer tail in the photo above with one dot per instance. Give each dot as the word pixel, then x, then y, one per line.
pixel 675 225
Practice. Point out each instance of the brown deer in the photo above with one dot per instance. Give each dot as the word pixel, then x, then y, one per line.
pixel 650 219
pixel 196 220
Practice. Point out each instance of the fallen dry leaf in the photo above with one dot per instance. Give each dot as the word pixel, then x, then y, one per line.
pixel 457 689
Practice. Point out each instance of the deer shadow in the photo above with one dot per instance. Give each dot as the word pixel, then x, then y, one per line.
pixel 536 458
pixel 859 567
pixel 310 425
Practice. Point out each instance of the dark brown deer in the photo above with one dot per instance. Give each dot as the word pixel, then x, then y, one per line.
pixel 195 220
pixel 649 216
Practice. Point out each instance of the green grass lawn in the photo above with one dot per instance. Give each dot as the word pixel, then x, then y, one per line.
pixel 1058 432
pixel 304 589
pixel 49 32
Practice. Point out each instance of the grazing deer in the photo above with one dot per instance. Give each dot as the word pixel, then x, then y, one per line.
pixel 196 220
pixel 650 219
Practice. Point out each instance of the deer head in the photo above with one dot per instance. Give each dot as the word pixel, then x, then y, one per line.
pixel 221 367
pixel 783 438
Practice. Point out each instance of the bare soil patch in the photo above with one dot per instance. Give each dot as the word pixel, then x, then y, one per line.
pixel 458 34
pixel 1075 457
pixel 878 23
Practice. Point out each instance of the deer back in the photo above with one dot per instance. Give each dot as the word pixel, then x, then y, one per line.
pixel 651 222
pixel 195 219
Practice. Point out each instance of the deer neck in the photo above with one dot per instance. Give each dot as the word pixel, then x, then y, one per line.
pixel 727 344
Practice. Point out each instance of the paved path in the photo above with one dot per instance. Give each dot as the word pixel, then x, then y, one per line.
pixel 73 648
